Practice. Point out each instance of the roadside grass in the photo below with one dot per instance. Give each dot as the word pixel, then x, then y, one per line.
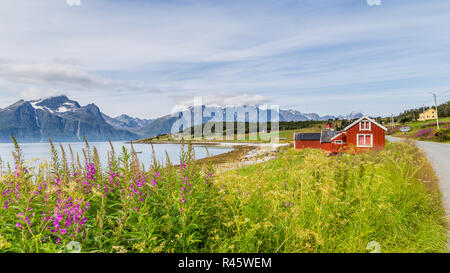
pixel 308 202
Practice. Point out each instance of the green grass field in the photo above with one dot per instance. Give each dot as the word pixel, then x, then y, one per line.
pixel 285 136
pixel 285 133
pixel 308 202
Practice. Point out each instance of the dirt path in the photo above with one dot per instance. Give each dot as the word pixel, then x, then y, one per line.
pixel 439 156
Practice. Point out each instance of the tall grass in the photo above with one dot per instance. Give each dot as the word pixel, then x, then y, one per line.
pixel 308 202
pixel 300 202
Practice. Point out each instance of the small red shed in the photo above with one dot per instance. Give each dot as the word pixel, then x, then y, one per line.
pixel 339 143
pixel 307 140
pixel 325 140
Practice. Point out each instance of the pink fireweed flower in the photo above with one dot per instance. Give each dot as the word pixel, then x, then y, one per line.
pixel 67 217
pixel 16 171
pixel 18 225
pixel 183 200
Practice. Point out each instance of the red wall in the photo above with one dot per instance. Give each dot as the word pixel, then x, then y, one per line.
pixel 377 132
pixel 326 147
pixel 336 148
pixel 303 144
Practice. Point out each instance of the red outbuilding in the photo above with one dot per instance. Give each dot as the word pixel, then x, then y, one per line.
pixel 363 134
pixel 307 140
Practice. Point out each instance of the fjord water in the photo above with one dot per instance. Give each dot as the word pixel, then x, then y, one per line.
pixel 39 152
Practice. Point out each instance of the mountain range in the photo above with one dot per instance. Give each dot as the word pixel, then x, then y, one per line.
pixel 58 118
pixel 63 119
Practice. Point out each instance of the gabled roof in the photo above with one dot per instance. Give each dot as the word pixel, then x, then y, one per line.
pixel 365 117
pixel 327 135
pixel 338 134
pixel 307 136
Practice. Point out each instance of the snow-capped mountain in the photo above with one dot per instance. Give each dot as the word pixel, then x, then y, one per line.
pixel 58 118
pixel 56 105
pixel 126 122
pixel 164 124
pixel 352 115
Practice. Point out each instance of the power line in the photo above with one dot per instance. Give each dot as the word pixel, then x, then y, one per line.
pixel 444 92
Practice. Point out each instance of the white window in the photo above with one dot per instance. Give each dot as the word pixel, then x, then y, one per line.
pixel 364 140
pixel 364 125
pixel 338 141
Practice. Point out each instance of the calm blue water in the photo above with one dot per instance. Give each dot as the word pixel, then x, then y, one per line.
pixel 39 152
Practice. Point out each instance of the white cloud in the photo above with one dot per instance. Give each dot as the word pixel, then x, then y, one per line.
pixel 223 99
pixel 374 2
pixel 52 74
pixel 32 93
pixel 66 76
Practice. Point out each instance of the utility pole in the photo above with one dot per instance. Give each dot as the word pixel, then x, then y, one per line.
pixel 423 111
pixel 435 104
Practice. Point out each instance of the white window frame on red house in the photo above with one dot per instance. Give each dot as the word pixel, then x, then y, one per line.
pixel 364 146
pixel 366 128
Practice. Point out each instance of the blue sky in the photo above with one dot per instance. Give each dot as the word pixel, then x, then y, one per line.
pixel 143 58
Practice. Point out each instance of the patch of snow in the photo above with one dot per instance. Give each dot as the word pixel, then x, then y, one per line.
pixel 78 130
pixel 36 107
pixel 70 104
pixel 62 109
pixel 37 121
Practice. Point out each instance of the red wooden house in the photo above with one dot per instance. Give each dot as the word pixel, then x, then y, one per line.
pixel 363 134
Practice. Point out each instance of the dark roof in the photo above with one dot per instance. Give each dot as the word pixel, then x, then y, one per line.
pixel 307 136
pixel 327 135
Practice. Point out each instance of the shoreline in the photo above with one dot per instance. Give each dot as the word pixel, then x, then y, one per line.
pixel 241 155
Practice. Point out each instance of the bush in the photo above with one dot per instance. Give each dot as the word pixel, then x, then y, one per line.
pixel 442 134
pixel 425 133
